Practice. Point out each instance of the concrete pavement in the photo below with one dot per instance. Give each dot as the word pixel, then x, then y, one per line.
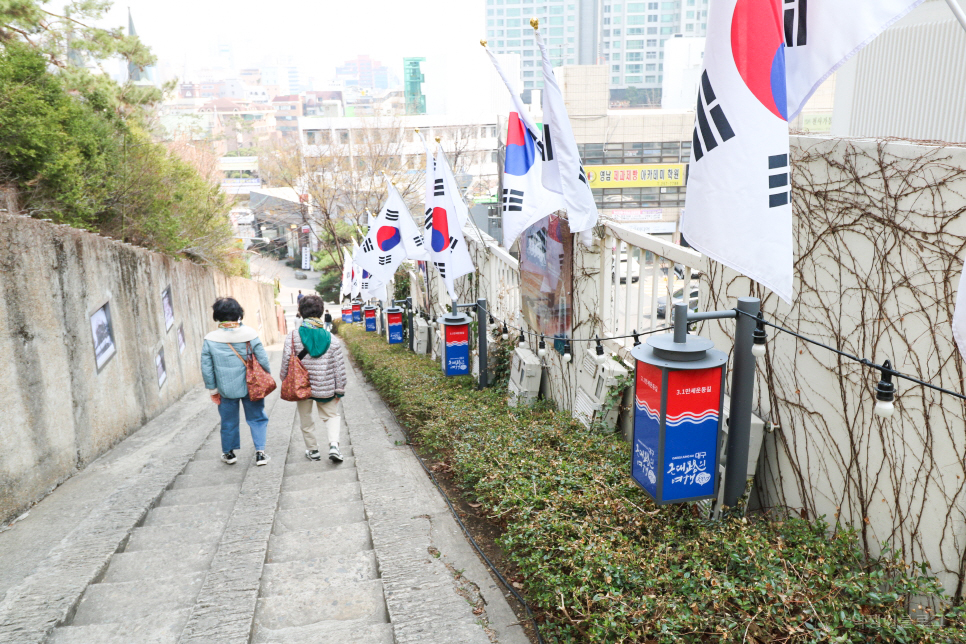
pixel 159 542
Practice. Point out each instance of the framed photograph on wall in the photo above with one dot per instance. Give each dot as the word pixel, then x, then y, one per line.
pixel 103 333
pixel 162 371
pixel 181 343
pixel 168 305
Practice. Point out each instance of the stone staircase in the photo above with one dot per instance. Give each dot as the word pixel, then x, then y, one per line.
pixel 321 578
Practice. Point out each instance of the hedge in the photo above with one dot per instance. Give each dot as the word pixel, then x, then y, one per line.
pixel 602 563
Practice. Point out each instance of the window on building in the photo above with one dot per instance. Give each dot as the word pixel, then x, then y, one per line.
pixel 556 31
pixel 650 79
pixel 689 27
pixel 514 22
pixel 652 6
pixel 617 20
pixel 668 6
pixel 651 67
pixel 607 8
pixel 606 33
pixel 617 56
pixel 617 32
pixel 570 61
pixel 528 63
pixel 528 84
pixel 571 29
pixel 634 55
pixel 632 79
pixel 615 80
pixel 667 30
pixel 652 18
pixel 651 31
pixel 607 21
pixel 513 12
pixel 570 50
pixel 615 69
pixel 513 33
pixel 636 20
pixel 635 31
pixel 633 69
pixel 606 57
pixel 635 7
pixel 490 33
pixel 689 15
pixel 571 18
pixel 556 11
pixel 668 17
pixel 617 8
pixel 528 43
pixel 513 43
pixel 528 74
pixel 555 20
pixel 651 55
pixel 499 23
pixel 527 52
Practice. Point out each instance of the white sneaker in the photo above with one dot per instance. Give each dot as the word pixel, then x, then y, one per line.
pixel 313 455
pixel 334 454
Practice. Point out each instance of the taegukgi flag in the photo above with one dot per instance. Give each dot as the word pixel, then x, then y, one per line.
pixel 346 273
pixel 443 234
pixel 820 35
pixel 738 207
pixel 563 172
pixel 462 211
pixel 525 198
pixel 392 238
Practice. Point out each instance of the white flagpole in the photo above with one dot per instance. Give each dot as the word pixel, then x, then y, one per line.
pixel 958 12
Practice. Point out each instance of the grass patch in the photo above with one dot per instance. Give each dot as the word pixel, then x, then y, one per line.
pixel 601 563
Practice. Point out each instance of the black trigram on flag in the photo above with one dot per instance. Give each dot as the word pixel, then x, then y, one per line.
pixel 392 215
pixel 547 149
pixel 778 180
pixel 796 17
pixel 428 224
pixel 441 267
pixel 439 188
pixel 453 242
pixel 418 240
pixel 367 246
pixel 512 200
pixel 364 285
pixel 385 260
pixel 707 105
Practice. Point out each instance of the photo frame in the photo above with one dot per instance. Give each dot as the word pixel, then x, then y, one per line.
pixel 167 304
pixel 162 369
pixel 102 332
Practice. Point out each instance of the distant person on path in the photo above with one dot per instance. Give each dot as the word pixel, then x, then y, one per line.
pixel 300 296
pixel 224 374
pixel 326 368
pixel 328 321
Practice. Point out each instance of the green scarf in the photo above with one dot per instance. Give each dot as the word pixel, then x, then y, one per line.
pixel 314 336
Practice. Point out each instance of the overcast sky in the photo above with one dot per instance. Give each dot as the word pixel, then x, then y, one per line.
pixel 320 34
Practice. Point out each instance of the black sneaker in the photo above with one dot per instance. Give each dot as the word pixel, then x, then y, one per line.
pixel 313 455
pixel 229 457
pixel 261 458
pixel 334 454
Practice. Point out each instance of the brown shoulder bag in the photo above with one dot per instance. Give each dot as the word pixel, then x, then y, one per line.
pixel 296 385
pixel 260 382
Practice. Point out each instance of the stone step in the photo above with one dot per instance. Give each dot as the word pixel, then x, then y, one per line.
pixel 158 564
pixel 347 632
pixel 316 498
pixel 132 600
pixel 221 476
pixel 306 545
pixel 195 495
pixel 204 466
pixel 302 465
pixel 160 627
pixel 173 514
pixel 317 574
pixel 326 516
pixel 175 535
pixel 361 601
pixel 319 479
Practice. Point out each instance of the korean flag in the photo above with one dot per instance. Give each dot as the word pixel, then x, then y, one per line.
pixel 443 234
pixel 738 208
pixel 392 238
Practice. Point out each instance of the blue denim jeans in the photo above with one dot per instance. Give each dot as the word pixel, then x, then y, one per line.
pixel 254 416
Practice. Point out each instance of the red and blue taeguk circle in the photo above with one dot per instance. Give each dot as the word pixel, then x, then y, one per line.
pixel 440 229
pixel 387 237
pixel 758 47
pixel 520 150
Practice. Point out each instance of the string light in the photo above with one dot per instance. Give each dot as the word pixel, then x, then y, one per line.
pixel 885 393
pixel 760 336
pixel 601 358
pixel 506 332
pixel 637 338
pixel 523 339
pixel 566 356
pixel 541 348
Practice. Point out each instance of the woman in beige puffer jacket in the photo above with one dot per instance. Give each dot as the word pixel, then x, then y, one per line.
pixel 321 354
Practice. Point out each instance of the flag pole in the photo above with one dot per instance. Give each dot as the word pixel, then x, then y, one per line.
pixel 958 12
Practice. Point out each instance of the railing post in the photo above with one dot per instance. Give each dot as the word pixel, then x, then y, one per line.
pixel 409 320
pixel 742 392
pixel 481 321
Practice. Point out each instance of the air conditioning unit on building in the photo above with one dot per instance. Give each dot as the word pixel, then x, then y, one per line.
pixel 525 374
pixel 594 384
pixel 436 338
pixel 420 336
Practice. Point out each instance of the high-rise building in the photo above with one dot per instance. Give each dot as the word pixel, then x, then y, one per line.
pixel 366 73
pixel 413 85
pixel 628 37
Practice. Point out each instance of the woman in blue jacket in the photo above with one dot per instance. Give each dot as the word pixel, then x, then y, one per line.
pixel 224 374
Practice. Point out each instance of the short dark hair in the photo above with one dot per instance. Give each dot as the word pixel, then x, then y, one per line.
pixel 311 306
pixel 227 309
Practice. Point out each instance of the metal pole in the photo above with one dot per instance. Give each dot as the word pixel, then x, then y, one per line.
pixel 958 12
pixel 481 319
pixel 742 392
pixel 409 318
pixel 680 323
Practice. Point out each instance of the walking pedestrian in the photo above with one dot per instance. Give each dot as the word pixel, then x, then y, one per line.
pixel 328 321
pixel 300 296
pixel 223 370
pixel 321 354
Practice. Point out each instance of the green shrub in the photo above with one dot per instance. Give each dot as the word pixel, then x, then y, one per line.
pixel 603 564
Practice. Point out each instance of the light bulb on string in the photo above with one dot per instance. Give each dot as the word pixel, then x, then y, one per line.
pixel 567 357
pixel 885 393
pixel 760 337
pixel 541 348
pixel 523 339
pixel 601 357
pixel 506 332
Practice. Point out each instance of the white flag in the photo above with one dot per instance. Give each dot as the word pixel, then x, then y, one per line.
pixel 564 173
pixel 525 198
pixel 392 238
pixel 346 273
pixel 820 35
pixel 443 234
pixel 738 208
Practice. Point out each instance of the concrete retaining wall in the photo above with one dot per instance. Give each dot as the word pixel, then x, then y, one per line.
pixel 58 412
